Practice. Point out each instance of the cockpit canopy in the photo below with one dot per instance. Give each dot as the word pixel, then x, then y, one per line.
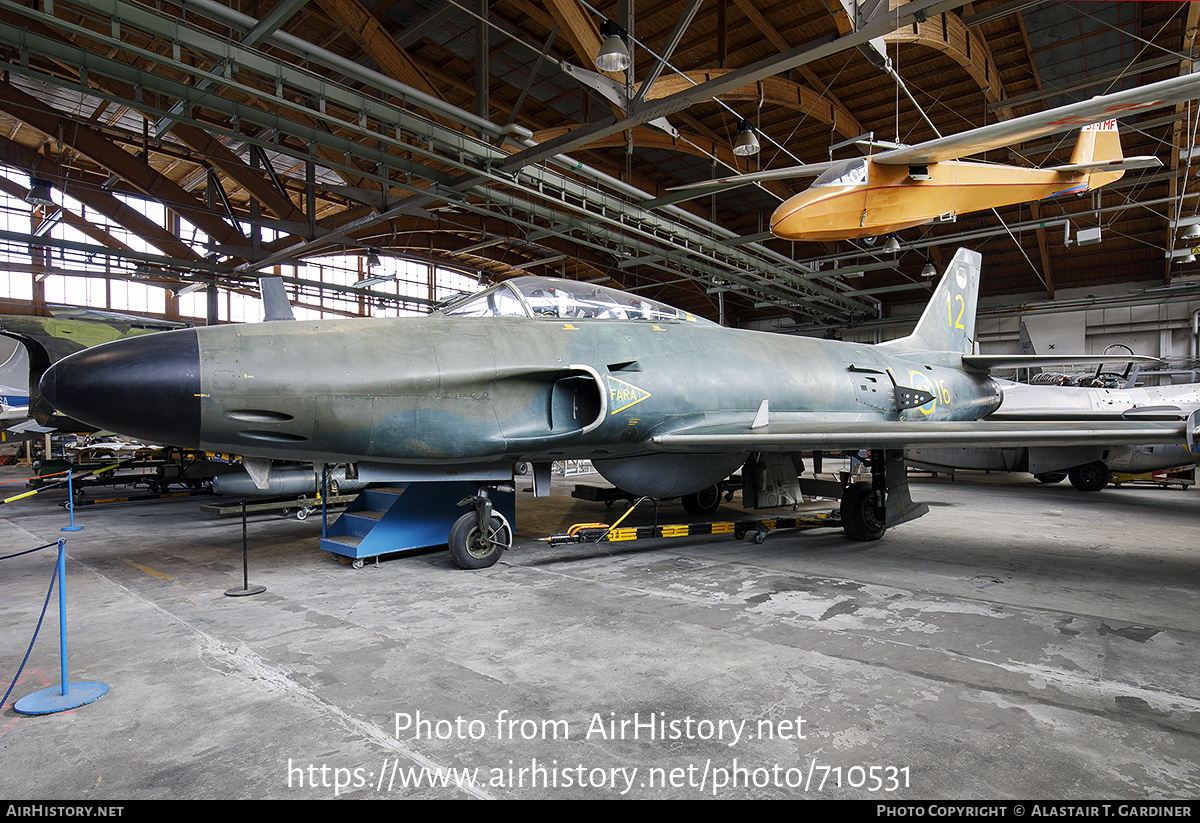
pixel 550 297
pixel 847 173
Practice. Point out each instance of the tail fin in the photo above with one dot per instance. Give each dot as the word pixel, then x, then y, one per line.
pixel 1098 143
pixel 276 305
pixel 948 323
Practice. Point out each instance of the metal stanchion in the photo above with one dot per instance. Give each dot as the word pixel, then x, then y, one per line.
pixel 246 588
pixel 68 695
pixel 71 505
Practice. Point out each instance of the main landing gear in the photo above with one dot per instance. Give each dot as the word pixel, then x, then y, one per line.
pixel 705 501
pixel 868 509
pixel 479 537
pixel 1090 477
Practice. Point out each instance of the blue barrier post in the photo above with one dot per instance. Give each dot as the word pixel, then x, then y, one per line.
pixel 60 698
pixel 71 507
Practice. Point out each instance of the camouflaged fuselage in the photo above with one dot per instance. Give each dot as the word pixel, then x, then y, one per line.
pixel 443 389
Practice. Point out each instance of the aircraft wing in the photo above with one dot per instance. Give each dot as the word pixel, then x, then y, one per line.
pixel 901 434
pixel 1040 124
pixel 735 180
pixel 985 362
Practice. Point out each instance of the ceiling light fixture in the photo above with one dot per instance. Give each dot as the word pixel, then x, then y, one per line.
pixel 892 245
pixel 746 143
pixel 614 54
pixel 929 270
pixel 39 193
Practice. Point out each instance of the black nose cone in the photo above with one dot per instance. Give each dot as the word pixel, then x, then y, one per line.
pixel 146 387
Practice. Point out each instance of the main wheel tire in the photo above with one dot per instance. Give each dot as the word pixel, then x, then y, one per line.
pixel 1090 477
pixel 470 549
pixel 705 501
pixel 1050 477
pixel 858 513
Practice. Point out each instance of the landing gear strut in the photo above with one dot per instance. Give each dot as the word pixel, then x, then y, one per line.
pixel 860 520
pixel 478 538
pixel 869 509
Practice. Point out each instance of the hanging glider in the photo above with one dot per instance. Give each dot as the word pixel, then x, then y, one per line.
pixel 913 185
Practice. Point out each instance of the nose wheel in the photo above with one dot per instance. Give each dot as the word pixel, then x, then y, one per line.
pixel 475 548
pixel 478 538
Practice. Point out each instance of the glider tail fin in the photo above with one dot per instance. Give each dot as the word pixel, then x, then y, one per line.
pixel 1098 143
pixel 948 323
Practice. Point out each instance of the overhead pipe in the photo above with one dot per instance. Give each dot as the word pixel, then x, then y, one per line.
pixel 335 62
pixel 349 67
pixel 525 136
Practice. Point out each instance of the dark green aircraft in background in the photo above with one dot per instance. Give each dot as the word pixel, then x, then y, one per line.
pixel 537 370
pixel 47 340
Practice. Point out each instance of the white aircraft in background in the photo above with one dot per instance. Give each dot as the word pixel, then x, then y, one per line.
pixel 1089 468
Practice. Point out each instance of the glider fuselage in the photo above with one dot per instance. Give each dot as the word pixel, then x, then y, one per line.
pixel 890 199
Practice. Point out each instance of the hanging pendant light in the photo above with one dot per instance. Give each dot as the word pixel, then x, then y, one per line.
pixel 746 142
pixel 614 54
pixel 39 193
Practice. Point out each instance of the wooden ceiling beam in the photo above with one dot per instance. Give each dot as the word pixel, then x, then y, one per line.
pixel 376 42
pixel 15 155
pixel 948 34
pixel 96 146
pixel 774 91
pixel 69 217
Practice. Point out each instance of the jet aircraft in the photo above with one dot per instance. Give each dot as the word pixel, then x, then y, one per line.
pixel 1089 468
pixel 48 339
pixel 906 186
pixel 537 369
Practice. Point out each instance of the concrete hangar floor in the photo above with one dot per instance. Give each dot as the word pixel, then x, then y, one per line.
pixel 1020 641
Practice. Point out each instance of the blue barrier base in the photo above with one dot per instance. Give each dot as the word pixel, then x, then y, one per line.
pixel 50 700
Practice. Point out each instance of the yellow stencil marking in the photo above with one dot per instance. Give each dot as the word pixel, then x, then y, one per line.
pixel 622 395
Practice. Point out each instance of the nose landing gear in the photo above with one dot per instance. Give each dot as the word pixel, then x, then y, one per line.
pixel 479 537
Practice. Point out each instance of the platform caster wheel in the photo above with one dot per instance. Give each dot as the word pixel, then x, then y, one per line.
pixel 1090 477
pixel 858 513
pixel 356 563
pixel 302 514
pixel 739 534
pixel 472 550
pixel 760 537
